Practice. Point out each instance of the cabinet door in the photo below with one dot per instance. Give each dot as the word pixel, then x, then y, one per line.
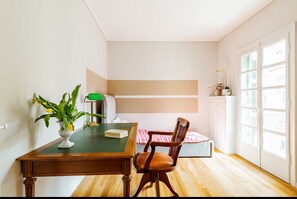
pixel 212 119
pixel 218 124
pixel 221 124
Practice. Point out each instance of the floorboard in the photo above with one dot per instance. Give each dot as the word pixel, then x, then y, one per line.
pixel 222 175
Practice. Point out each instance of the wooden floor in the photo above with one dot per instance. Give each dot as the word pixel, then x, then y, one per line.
pixel 221 175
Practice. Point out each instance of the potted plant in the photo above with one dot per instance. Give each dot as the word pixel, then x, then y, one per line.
pixel 65 112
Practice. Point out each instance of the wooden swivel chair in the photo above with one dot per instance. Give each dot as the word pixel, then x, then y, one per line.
pixel 154 165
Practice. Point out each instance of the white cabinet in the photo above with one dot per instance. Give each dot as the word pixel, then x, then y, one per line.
pixel 222 123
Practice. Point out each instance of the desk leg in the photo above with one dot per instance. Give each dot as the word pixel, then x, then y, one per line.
pixel 126 182
pixel 30 186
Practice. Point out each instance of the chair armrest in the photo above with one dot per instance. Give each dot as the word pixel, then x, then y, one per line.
pixel 151 133
pixel 165 144
pixel 160 133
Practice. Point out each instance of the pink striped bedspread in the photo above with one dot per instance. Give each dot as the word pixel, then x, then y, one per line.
pixel 192 137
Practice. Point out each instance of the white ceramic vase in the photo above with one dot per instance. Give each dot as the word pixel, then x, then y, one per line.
pixel 226 92
pixel 65 134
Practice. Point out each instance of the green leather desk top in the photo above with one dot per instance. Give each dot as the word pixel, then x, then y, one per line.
pixel 92 139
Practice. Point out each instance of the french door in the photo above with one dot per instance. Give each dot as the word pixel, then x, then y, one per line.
pixel 264 105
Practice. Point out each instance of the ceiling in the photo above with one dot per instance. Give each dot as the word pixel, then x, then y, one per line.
pixel 171 20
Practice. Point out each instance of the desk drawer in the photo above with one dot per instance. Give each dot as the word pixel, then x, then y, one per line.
pixel 86 167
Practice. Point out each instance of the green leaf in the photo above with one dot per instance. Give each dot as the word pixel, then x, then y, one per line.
pixel 78 115
pixel 96 115
pixel 69 99
pixel 41 117
pixel 74 95
pixel 59 118
pixel 74 112
pixel 63 123
pixel 46 120
pixel 41 99
pixel 64 97
pixel 61 108
pixel 53 106
pixel 87 121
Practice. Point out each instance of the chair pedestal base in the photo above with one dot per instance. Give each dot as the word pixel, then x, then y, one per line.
pixel 155 178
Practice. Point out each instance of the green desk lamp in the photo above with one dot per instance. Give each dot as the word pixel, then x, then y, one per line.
pixel 93 97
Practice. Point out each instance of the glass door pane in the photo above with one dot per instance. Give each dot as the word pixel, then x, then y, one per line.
pixel 249 61
pixel 249 80
pixel 274 98
pixel 273 76
pixel 249 117
pixel 274 53
pixel 275 144
pixel 249 135
pixel 274 121
pixel 248 111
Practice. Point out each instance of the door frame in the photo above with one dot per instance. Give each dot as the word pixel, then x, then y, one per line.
pixel 292 90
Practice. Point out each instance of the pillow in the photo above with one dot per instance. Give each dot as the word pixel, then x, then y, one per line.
pixel 116 120
pixel 109 108
pixel 119 120
pixel 124 121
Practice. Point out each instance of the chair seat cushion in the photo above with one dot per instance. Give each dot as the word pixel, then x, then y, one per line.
pixel 160 161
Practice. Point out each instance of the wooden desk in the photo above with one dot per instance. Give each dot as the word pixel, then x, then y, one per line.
pixel 92 154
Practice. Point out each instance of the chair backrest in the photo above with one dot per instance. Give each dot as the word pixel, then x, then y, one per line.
pixel 179 134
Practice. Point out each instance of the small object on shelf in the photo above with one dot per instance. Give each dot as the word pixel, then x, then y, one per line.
pixel 219 89
pixel 116 133
pixel 226 91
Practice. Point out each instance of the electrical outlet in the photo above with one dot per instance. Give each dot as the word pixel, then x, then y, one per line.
pixel 5 126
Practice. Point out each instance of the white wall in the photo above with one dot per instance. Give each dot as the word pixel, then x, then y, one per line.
pixel 166 61
pixel 275 16
pixel 45 47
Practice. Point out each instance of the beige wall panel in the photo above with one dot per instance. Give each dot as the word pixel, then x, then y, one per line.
pixel 153 87
pixel 157 105
pixel 95 83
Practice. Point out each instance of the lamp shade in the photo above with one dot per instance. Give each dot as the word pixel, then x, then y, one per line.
pixel 94 96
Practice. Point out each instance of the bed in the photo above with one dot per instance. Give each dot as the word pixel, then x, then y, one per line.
pixel 195 144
